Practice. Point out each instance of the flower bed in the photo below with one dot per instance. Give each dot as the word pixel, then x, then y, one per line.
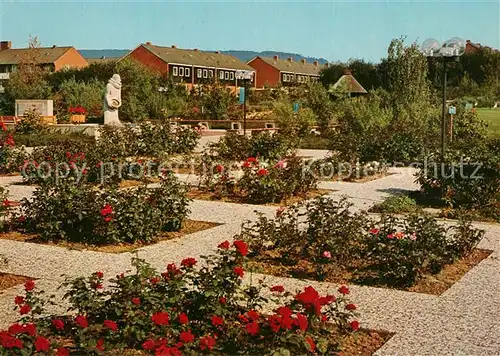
pixel 78 212
pixel 464 180
pixel 322 239
pixel 259 182
pixel 188 227
pixel 163 314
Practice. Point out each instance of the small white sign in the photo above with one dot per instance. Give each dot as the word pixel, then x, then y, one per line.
pixel 244 74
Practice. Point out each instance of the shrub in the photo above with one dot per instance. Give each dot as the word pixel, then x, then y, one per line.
pixel 236 147
pixel 183 310
pixel 470 181
pixel 332 167
pixel 399 251
pixel 325 225
pixel 11 156
pixel 149 139
pixel 75 211
pixel 31 123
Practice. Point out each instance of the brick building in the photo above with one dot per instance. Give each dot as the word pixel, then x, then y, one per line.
pixel 287 72
pixel 190 66
pixel 51 58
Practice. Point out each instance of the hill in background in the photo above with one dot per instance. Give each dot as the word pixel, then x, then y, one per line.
pixel 245 56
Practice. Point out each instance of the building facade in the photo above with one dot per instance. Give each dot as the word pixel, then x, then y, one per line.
pixel 191 67
pixel 285 72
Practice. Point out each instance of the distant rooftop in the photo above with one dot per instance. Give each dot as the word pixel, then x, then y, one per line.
pixel 289 65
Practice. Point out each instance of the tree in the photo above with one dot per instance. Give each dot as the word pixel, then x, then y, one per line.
pixel 407 74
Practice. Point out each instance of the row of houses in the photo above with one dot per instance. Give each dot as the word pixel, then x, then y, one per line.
pixel 188 66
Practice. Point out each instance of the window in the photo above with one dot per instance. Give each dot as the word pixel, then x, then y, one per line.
pixel 187 72
pixel 221 74
pixel 174 71
pixel 226 75
pixel 284 77
pixel 299 78
pixel 205 73
pixel 181 71
pixel 198 73
pixel 232 75
pixel 210 73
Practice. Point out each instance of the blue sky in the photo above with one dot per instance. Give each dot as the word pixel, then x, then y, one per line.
pixel 335 30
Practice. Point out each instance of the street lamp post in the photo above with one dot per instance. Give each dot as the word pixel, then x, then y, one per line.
pixel 246 76
pixel 449 51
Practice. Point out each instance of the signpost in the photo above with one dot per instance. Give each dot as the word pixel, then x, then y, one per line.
pixel 452 110
pixel 246 76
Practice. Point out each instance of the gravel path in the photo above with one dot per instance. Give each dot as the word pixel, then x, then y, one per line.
pixel 465 320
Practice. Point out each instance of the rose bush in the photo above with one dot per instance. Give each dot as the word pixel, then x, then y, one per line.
pixel 260 181
pixel 11 156
pixel 465 180
pixel 183 310
pixel 79 212
pixel 386 251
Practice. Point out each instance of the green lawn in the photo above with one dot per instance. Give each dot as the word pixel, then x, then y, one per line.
pixel 492 117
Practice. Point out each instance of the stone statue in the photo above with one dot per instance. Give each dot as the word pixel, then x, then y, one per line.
pixel 113 100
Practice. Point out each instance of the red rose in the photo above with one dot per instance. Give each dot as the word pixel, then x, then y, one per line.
pixel 262 172
pixel 160 318
pixel 186 337
pixel 239 271
pixel 136 301
pixel 217 320
pixel 279 289
pixel 81 320
pixel 253 328
pixel 108 218
pixel 30 329
pixel 62 352
pixel 241 246
pixel 29 285
pixel 149 345
pixel 224 245
pixel 25 309
pixel 19 300
pixel 308 296
pixel 207 342
pixel 99 275
pixel 246 164
pixel 350 307
pixel 42 344
pixel 354 325
pixel 243 318
pixel 16 329
pixel 183 318
pixel 108 209
pixel 219 168
pixel 188 262
pixel 252 159
pixel 222 300
pixel 343 290
pixel 154 280
pixel 98 286
pixel 311 344
pixel 58 324
pixel 110 324
pixel 253 315
pixel 100 345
